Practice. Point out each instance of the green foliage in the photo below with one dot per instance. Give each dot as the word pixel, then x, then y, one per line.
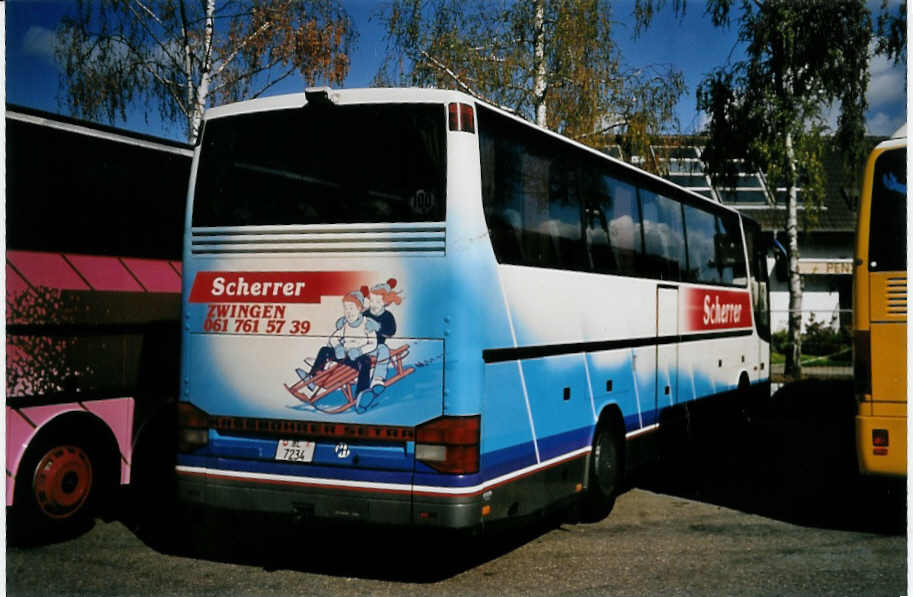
pixel 779 341
pixel 823 338
pixel 823 344
pixel 892 32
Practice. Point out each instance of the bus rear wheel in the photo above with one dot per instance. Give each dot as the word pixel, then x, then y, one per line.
pixel 605 476
pixel 62 481
pixel 56 486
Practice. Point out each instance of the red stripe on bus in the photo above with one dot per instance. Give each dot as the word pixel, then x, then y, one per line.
pixel 275 286
pixel 715 309
pixel 105 273
pixel 50 270
pixel 154 275
pixel 15 285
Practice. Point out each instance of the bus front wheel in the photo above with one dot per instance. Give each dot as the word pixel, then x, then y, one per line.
pixel 604 476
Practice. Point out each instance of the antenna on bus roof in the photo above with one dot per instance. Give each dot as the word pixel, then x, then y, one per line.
pixel 323 96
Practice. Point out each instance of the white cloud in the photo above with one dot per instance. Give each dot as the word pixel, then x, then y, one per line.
pixel 39 41
pixel 886 83
pixel 883 124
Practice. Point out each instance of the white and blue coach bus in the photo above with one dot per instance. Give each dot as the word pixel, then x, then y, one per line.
pixel 406 306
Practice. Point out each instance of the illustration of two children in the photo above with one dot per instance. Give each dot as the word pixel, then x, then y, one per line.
pixel 360 334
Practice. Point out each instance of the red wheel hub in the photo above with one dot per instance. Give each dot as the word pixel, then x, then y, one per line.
pixel 63 480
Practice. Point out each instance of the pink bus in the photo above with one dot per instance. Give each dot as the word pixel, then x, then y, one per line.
pixel 93 279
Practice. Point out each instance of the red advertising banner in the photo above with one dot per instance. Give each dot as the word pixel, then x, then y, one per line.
pixel 274 287
pixel 711 309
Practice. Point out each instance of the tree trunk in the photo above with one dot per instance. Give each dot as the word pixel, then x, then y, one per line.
pixel 539 67
pixel 794 335
pixel 202 91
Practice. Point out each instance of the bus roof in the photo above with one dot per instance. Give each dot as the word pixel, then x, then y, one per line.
pixel 91 129
pixel 898 139
pixel 341 97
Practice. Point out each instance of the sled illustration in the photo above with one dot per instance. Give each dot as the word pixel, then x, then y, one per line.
pixel 336 376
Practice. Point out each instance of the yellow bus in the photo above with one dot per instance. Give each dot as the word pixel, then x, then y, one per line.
pixel 880 312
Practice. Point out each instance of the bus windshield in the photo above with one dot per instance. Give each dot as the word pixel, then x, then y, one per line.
pixel 323 165
pixel 889 212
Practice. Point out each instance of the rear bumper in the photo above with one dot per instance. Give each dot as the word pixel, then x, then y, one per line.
pixel 372 503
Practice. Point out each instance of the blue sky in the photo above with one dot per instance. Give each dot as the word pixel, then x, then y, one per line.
pixel 692 45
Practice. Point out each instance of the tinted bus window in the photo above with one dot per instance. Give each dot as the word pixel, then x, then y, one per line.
pixel 757 260
pixel 82 194
pixel 664 241
pixel 888 229
pixel 612 222
pixel 323 165
pixel 729 251
pixel 530 194
pixel 701 228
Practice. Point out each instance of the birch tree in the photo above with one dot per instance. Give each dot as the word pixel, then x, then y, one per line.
pixel 768 112
pixel 892 31
pixel 178 57
pixel 551 61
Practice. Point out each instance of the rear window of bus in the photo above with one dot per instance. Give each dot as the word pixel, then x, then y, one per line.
pixel 323 165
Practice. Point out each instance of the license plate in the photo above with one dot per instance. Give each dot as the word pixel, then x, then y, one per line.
pixel 295 451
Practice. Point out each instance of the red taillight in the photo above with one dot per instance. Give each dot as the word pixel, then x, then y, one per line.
pixel 449 444
pixel 193 427
pixel 880 441
pixel 461 118
pixel 879 437
pixel 467 119
pixel 862 362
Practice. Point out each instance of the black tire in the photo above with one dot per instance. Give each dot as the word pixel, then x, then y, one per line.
pixel 57 487
pixel 604 476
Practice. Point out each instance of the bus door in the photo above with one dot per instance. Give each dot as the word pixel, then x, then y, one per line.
pixel 666 346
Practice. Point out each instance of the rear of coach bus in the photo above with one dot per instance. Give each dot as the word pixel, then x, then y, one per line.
pixel 330 274
pixel 880 312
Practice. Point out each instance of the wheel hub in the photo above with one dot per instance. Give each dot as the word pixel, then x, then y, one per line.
pixel 63 481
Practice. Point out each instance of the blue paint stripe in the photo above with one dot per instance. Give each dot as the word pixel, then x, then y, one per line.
pixel 632 422
pixel 506 460
pixel 556 445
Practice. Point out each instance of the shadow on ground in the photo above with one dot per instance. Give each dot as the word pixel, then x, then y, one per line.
pixel 791 458
pixel 338 549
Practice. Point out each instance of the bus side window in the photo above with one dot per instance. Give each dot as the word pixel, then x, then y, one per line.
pixel 502 213
pixel 531 193
pixel 598 252
pixel 564 214
pixel 664 242
pixel 596 230
pixel 616 203
pixel 729 256
pixel 701 229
